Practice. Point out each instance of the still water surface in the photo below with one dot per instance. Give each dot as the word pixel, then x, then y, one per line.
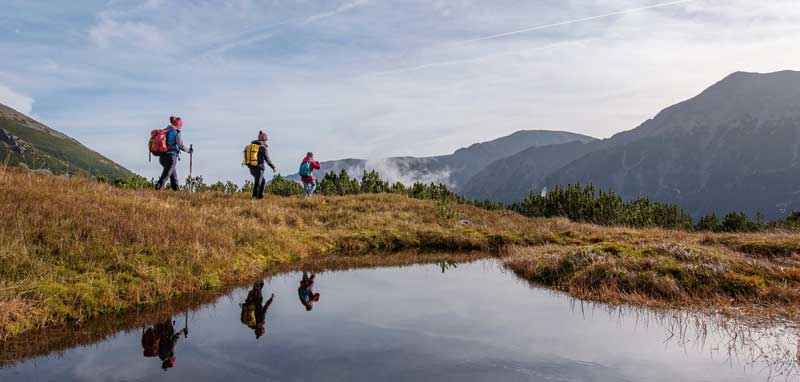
pixel 472 322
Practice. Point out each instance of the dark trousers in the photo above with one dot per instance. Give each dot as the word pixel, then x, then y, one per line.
pixel 259 182
pixel 168 162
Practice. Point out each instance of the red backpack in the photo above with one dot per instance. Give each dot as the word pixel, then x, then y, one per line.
pixel 150 342
pixel 158 142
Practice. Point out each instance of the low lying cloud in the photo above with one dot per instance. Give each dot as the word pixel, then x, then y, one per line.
pixel 397 170
pixel 400 170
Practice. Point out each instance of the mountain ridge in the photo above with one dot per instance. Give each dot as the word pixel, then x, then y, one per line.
pixel 27 142
pixel 704 152
pixel 453 169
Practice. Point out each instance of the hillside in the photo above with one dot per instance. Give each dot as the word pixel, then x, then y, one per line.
pixel 26 141
pixel 734 147
pixel 457 168
pixel 73 249
pixel 510 179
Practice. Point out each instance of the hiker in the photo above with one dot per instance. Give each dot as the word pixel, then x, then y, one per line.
pixel 256 158
pixel 160 340
pixel 254 314
pixel 169 153
pixel 306 293
pixel 306 172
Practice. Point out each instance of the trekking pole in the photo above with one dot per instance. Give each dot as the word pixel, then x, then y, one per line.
pixel 191 152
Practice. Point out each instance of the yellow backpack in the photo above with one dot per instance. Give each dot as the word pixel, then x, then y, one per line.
pixel 248 315
pixel 251 154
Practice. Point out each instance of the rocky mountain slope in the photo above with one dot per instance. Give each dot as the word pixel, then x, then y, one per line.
pixel 736 146
pixel 24 141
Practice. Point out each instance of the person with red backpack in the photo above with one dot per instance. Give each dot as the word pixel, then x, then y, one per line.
pixel 160 340
pixel 167 145
pixel 306 173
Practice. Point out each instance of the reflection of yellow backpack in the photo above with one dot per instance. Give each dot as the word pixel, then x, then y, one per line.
pixel 249 315
pixel 251 154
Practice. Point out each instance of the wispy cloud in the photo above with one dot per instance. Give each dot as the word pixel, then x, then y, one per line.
pixel 578 20
pixel 108 32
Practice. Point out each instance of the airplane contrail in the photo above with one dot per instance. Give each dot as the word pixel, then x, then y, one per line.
pixel 263 33
pixel 580 20
pixel 466 60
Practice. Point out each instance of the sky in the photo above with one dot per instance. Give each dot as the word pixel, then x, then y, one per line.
pixel 370 78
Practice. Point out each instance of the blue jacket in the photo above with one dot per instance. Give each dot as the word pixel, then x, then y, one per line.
pixel 174 141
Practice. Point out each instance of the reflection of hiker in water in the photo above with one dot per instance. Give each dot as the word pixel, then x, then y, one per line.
pixel 160 340
pixel 253 313
pixel 305 292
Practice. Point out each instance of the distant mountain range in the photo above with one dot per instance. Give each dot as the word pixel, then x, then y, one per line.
pixel 457 168
pixel 24 141
pixel 736 146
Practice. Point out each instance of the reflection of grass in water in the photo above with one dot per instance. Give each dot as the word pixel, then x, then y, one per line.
pixel 774 348
pixel 93 331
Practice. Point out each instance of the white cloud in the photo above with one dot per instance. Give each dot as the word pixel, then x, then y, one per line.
pixel 20 102
pixel 108 32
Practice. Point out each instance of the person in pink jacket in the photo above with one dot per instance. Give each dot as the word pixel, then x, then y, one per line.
pixel 306 172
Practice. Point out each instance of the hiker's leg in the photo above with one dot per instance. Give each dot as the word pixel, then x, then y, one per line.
pixel 305 188
pixel 312 186
pixel 262 185
pixel 255 172
pixel 173 178
pixel 165 172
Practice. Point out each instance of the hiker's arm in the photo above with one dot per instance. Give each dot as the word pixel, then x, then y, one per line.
pixel 315 165
pixel 179 142
pixel 265 154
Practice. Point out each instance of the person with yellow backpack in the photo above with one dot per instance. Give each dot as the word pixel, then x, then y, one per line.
pixel 254 311
pixel 256 158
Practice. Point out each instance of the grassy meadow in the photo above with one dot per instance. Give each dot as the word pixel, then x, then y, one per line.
pixel 73 249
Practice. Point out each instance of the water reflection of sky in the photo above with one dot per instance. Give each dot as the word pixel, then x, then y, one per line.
pixel 474 322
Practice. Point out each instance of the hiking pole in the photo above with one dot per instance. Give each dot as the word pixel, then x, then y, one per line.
pixel 191 152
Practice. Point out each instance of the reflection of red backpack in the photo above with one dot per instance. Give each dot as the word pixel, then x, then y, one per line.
pixel 158 142
pixel 150 343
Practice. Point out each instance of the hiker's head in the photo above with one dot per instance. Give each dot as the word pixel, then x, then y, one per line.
pixel 176 121
pixel 262 136
pixel 309 307
pixel 260 331
pixel 310 154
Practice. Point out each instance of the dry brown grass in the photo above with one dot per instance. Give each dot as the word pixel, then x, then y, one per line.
pixel 72 249
pixel 672 269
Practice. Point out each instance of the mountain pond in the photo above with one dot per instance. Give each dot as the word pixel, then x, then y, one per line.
pixel 472 321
